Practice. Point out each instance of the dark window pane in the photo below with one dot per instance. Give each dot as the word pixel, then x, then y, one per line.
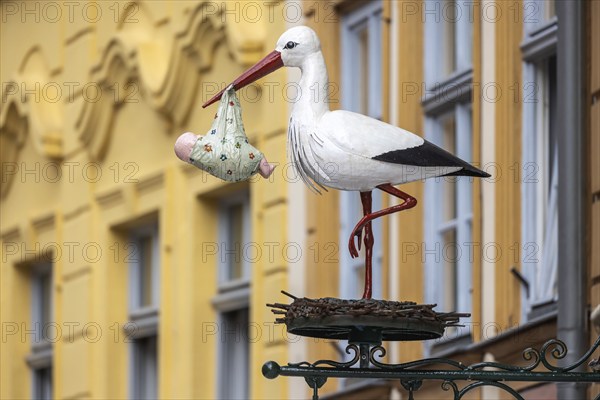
pixel 235 355
pixel 45 299
pixel 449 183
pixel 42 383
pixel 363 38
pixel 552 114
pixel 449 19
pixel 450 273
pixel 146 366
pixel 235 242
pixel 146 271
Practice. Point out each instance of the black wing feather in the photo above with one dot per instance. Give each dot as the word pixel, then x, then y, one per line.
pixel 430 155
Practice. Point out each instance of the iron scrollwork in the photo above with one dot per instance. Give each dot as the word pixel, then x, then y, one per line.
pixel 412 374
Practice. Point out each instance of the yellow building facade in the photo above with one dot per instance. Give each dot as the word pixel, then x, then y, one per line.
pixel 128 274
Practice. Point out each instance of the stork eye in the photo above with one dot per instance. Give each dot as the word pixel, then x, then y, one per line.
pixel 290 45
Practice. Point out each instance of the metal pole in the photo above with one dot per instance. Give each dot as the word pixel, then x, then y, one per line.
pixel 572 190
pixel 414 376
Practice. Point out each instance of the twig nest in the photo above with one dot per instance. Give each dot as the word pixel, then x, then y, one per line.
pixel 342 319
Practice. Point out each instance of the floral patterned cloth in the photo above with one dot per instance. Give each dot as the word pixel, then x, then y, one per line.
pixel 224 151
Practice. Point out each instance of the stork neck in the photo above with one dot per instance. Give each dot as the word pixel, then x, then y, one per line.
pixel 314 84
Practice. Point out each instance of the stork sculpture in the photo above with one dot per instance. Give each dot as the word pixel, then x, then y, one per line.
pixel 345 150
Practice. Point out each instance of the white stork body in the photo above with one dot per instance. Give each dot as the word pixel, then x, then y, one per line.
pixel 338 150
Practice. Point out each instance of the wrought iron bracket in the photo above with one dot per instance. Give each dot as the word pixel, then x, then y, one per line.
pixel 366 363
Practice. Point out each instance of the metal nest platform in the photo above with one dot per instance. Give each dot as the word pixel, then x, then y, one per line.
pixel 364 320
pixel 366 323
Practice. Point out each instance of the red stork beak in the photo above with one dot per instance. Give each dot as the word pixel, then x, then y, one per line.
pixel 270 63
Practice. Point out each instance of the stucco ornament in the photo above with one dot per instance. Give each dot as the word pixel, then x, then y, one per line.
pixel 224 151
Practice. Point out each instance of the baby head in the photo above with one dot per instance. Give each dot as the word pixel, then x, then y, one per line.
pixel 184 145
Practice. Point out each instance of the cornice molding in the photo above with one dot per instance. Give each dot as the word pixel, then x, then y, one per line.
pixel 110 198
pixel 44 222
pixel 150 183
pixel 457 88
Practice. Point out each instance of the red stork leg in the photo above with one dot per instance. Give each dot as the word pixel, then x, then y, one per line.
pixel 366 199
pixel 365 223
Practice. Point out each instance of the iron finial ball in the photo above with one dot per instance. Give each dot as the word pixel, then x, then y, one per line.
pixel 271 370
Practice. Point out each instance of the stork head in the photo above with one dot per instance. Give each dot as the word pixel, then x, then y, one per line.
pixel 292 48
pixel 296 44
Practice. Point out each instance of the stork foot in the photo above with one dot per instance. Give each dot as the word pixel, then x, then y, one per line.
pixel 357 233
pixel 354 249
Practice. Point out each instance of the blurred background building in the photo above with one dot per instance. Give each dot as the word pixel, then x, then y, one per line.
pixel 128 274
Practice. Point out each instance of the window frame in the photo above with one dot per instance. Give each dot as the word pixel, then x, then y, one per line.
pixel 448 94
pixel 42 383
pixel 40 272
pixel 434 32
pixel 536 16
pixel 139 356
pixel 143 318
pixel 135 270
pixel 224 283
pixel 40 359
pixel 223 351
pixel 233 294
pixel 370 16
pixel 435 227
pixel 367 16
pixel 539 222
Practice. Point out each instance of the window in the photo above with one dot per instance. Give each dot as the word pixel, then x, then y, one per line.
pixel 42 303
pixel 40 359
pixel 42 383
pixel 448 37
pixel 539 171
pixel 234 354
pixel 145 366
pixel 361 55
pixel 144 272
pixel 233 300
pixel 448 217
pixel 537 14
pixel 234 234
pixel 447 202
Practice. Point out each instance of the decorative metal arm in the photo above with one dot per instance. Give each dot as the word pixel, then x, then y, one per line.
pixel 412 374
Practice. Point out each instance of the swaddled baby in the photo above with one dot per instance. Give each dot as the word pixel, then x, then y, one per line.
pixel 224 151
